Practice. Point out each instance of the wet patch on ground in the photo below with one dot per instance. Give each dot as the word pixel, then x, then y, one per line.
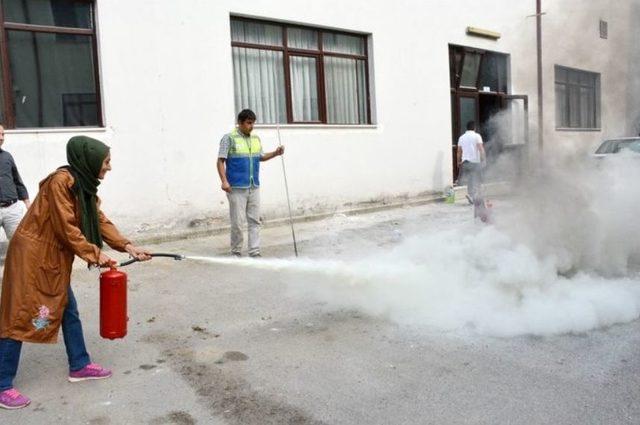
pixel 174 418
pixel 147 366
pixel 100 420
pixel 235 356
pixel 221 388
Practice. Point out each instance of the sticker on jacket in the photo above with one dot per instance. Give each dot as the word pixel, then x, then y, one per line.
pixel 42 321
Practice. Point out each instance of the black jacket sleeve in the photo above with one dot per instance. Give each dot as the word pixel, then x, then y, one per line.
pixel 17 180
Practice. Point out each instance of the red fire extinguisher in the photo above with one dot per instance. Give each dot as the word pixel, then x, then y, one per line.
pixel 113 299
pixel 113 304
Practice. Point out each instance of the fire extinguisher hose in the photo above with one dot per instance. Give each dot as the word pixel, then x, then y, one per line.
pixel 176 257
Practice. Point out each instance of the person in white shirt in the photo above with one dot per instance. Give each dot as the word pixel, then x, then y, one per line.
pixel 470 157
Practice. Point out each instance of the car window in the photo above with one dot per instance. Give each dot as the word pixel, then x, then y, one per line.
pixel 634 146
pixel 615 146
pixel 608 146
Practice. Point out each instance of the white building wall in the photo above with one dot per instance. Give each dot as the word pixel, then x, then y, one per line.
pixel 571 37
pixel 167 90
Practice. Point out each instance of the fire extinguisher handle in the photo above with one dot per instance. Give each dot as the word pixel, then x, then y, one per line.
pixel 126 263
pixel 176 257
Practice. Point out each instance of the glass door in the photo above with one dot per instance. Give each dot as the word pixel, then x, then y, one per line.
pixel 466 110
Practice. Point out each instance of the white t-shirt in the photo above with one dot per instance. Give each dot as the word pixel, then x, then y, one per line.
pixel 469 142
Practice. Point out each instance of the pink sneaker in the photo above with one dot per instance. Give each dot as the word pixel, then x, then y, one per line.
pixel 12 399
pixel 90 371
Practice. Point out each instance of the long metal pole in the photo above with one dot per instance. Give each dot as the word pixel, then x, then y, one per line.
pixel 539 55
pixel 286 186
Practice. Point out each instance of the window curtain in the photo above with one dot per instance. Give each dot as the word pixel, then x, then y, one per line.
pixel 258 75
pixel 259 80
pixel 256 33
pixel 577 99
pixel 259 83
pixel 304 89
pixel 342 43
pixel 562 106
pixel 345 85
pixel 300 38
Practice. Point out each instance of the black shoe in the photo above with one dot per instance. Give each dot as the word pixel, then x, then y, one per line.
pixel 256 255
pixel 470 199
pixel 236 254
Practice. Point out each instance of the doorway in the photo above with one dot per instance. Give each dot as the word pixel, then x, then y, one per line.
pixel 479 92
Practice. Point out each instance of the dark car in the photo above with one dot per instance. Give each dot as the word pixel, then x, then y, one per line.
pixel 613 146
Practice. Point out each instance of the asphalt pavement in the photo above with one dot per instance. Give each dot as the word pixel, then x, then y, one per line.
pixel 226 344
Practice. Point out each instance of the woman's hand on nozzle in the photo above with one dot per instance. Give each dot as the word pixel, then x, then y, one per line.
pixel 106 261
pixel 139 254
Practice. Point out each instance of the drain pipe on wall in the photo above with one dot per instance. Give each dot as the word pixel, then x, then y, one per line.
pixel 539 58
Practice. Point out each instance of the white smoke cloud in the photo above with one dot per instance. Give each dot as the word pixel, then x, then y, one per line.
pixel 563 257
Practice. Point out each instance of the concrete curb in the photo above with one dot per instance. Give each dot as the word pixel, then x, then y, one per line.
pixel 495 189
pixel 283 221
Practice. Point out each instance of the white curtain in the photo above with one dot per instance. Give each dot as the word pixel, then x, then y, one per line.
pixel 304 89
pixel 256 33
pixel 342 43
pixel 562 116
pixel 259 83
pixel 300 38
pixel 587 104
pixel 259 75
pixel 345 87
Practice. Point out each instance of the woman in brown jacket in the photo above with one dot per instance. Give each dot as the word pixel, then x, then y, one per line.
pixel 64 220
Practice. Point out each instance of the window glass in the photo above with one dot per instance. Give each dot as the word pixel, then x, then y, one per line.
pixel 561 75
pixel 363 100
pixel 616 146
pixel 256 33
pixel 300 38
pixel 53 79
pixel 573 77
pixel 489 76
pixel 468 107
pixel 587 103
pixel 562 106
pixel 304 89
pixel 60 13
pixel 586 78
pixel 457 67
pixel 258 77
pixel 501 66
pixel 342 43
pixel 577 97
pixel 574 106
pixel 607 147
pixel 470 70
pixel 326 78
pixel 346 91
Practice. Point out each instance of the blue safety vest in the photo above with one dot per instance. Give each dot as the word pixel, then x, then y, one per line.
pixel 243 160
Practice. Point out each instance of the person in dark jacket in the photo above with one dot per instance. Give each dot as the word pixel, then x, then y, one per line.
pixel 12 190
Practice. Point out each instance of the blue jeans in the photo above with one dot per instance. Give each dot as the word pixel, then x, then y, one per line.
pixel 73 341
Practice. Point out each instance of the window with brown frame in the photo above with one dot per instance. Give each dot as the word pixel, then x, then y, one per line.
pixel 296 74
pixel 577 99
pixel 48 64
pixel 473 69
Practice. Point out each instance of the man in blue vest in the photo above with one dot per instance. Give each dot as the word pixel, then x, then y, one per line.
pixel 238 164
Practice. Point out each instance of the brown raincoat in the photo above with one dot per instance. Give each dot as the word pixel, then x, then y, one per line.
pixel 37 270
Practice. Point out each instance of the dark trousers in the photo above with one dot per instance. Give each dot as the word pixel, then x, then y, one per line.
pixel 73 341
